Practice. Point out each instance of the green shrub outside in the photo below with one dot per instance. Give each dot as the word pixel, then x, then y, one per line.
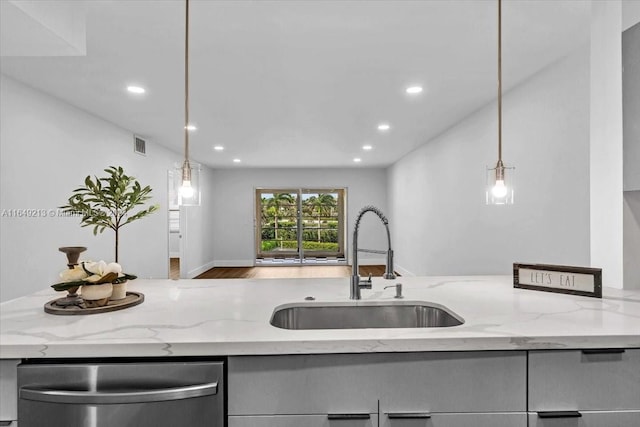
pixel 308 235
pixel 270 245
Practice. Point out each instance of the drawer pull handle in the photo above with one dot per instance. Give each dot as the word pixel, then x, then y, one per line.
pixel 408 415
pixel 603 351
pixel 559 414
pixel 349 416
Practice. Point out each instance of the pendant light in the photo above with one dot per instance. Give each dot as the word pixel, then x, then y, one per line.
pixel 499 189
pixel 187 176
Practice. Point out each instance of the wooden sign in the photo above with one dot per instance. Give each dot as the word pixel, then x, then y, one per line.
pixel 559 278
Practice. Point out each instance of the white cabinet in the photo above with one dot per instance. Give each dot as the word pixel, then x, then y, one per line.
pixel 8 391
pixel 589 388
pixel 438 389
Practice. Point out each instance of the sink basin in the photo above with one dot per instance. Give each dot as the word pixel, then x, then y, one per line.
pixel 360 315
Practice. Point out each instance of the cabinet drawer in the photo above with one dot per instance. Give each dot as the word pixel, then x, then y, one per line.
pixel 575 380
pixel 334 383
pixel 491 381
pixel 302 384
pixel 459 420
pixel 299 421
pixel 589 419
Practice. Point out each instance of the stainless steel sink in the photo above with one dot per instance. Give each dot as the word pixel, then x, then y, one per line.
pixel 360 315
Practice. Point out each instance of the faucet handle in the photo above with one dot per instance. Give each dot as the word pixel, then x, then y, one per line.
pixel 365 283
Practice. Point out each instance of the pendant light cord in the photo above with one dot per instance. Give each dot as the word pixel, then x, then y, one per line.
pixel 500 82
pixel 186 86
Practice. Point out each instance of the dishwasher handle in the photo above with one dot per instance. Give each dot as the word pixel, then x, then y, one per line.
pixel 110 398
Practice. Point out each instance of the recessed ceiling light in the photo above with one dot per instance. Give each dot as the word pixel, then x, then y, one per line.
pixel 367 147
pixel 218 147
pixel 191 128
pixel 384 126
pixel 136 89
pixel 236 160
pixel 414 90
pixel 357 160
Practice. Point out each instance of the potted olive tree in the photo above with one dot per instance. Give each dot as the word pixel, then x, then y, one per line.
pixel 109 202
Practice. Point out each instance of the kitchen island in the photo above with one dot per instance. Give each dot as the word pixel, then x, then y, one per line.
pixel 521 357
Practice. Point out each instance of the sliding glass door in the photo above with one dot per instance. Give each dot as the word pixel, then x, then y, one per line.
pixel 301 225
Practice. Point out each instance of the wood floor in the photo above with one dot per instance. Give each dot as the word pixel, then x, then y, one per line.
pixel 289 272
pixel 174 268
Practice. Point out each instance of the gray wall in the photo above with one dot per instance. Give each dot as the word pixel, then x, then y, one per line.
pixel 436 193
pixel 47 148
pixel 631 106
pixel 631 129
pixel 234 213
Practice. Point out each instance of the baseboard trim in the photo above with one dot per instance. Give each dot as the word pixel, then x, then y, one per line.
pixel 199 270
pixel 234 263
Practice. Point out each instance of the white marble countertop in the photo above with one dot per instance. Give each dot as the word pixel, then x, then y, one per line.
pixel 231 317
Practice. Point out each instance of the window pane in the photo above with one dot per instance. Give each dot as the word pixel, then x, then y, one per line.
pixel 279 223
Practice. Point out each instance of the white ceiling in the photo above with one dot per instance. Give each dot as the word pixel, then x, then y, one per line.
pixel 302 83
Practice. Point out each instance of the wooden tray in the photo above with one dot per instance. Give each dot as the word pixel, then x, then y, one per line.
pixel 132 299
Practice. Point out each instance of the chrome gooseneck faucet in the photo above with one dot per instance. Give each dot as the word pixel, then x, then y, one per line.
pixel 356 282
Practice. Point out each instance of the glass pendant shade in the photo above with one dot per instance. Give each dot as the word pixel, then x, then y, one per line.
pixel 500 189
pixel 186 184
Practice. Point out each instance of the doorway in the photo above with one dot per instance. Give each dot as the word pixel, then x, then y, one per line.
pixel 175 235
pixel 300 226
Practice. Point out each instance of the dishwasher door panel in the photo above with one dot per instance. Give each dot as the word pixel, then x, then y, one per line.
pixel 190 412
pixel 121 394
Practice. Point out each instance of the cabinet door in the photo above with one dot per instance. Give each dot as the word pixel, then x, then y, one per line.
pixel 300 421
pixel 588 419
pixel 8 390
pixel 584 380
pixel 399 419
pixel 452 382
pixel 302 384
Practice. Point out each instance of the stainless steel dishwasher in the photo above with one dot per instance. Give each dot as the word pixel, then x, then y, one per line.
pixel 128 394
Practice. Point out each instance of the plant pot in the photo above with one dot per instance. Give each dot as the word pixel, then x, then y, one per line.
pixel 119 291
pixel 96 295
